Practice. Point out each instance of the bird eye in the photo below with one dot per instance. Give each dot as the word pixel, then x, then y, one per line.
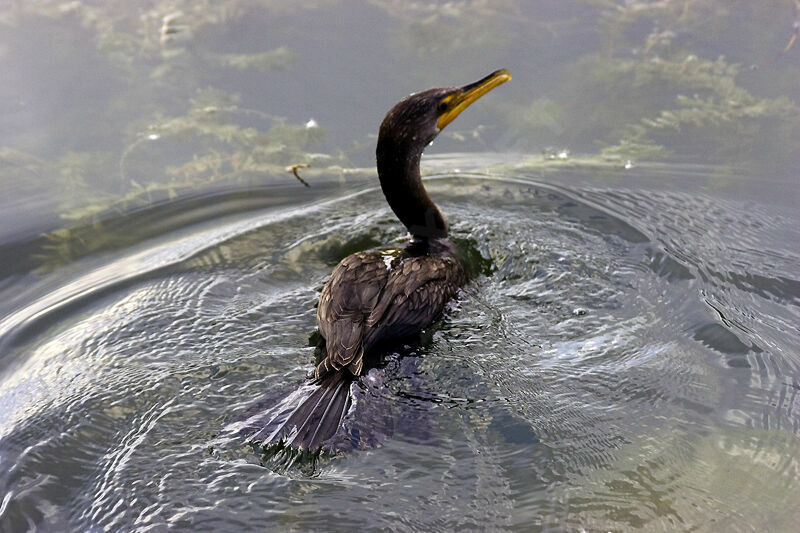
pixel 442 106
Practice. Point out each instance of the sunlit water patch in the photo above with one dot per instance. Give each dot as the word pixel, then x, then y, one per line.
pixel 624 358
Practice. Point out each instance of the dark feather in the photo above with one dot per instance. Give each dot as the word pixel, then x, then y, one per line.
pixel 373 297
pixel 379 296
pixel 308 417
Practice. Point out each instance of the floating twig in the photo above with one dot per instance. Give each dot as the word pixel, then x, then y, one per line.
pixel 294 168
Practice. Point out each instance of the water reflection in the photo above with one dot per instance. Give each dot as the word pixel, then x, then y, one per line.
pixel 625 358
pixel 631 413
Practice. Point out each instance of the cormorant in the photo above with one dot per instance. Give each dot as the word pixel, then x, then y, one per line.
pixel 381 295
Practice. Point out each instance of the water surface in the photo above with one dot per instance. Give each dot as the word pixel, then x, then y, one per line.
pixel 626 356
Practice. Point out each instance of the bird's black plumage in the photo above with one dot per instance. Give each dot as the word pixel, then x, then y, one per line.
pixel 381 295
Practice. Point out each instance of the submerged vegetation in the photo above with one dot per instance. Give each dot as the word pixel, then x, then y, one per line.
pixel 649 91
pixel 658 79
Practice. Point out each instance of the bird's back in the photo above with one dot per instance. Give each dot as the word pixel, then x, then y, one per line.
pixel 386 294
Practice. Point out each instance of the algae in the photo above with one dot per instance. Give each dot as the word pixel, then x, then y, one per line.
pixel 656 79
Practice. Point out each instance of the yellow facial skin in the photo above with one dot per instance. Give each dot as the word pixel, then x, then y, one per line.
pixel 452 105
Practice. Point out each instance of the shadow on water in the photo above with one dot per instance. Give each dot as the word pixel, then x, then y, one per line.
pixel 115 230
pixel 118 233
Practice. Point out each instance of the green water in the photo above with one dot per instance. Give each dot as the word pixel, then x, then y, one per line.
pixel 626 359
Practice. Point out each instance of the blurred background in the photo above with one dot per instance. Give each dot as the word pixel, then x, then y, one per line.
pixel 110 106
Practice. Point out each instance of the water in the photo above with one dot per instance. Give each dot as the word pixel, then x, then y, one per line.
pixel 627 356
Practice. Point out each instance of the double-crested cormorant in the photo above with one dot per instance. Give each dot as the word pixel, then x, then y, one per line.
pixel 379 295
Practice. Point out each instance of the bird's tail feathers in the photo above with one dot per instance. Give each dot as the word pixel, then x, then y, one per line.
pixel 307 417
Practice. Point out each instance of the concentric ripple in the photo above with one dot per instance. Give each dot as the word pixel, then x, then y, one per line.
pixel 626 358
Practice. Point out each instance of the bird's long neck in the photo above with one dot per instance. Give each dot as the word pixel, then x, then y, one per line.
pixel 398 170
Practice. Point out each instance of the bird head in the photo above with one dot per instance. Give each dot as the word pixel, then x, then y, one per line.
pixel 418 118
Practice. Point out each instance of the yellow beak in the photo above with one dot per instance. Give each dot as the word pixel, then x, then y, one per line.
pixel 460 100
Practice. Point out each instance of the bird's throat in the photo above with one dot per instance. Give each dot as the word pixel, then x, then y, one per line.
pixel 406 195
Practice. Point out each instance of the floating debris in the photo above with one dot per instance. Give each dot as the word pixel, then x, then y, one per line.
pixel 294 168
pixel 311 124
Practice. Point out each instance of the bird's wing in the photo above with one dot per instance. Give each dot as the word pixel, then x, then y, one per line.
pixel 346 301
pixel 415 294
